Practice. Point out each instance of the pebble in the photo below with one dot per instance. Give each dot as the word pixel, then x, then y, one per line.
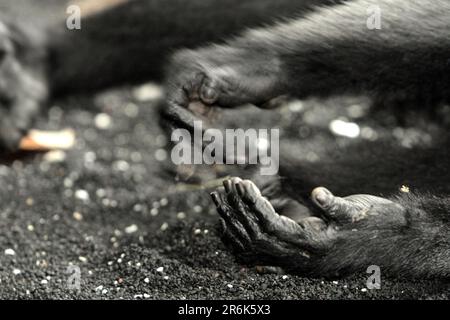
pixel 100 193
pixel 82 195
pixel 82 259
pixel 121 165
pixel 345 128
pixel 131 110
pixel 146 280
pixel 161 155
pixel 197 231
pixel 230 286
pixel 154 212
pixel 164 226
pixel 10 252
pixel 55 156
pixel 77 216
pixel 16 272
pixel 44 281
pixel 404 189
pixel 147 92
pixel 181 215
pixel 131 229
pixel 103 121
pixel 296 106
pixel 156 204
pixel 164 202
pixel 284 277
pixel 160 269
pixel 30 227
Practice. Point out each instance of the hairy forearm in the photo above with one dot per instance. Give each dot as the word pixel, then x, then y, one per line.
pixel 130 42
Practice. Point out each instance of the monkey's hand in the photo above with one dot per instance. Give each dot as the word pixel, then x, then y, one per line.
pixel 350 234
pixel 219 76
pixel 22 86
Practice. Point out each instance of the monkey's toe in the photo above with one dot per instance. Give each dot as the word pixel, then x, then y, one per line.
pixel 348 209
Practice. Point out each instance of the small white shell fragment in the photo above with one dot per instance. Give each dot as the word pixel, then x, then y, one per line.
pixel 345 128
pixel 131 229
pixel 77 216
pixel 10 252
pixel 55 156
pixel 147 92
pixel 48 140
pixel 102 121
pixel 164 226
pixel 82 195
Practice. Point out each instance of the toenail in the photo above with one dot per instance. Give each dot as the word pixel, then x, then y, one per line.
pixel 321 196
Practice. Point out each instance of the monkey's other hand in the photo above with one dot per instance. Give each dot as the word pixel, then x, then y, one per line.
pixel 22 86
pixel 219 76
pixel 333 244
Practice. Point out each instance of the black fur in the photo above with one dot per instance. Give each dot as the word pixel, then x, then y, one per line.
pixel 322 52
pixel 331 51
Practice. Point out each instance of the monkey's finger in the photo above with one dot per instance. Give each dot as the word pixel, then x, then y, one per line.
pixel 352 208
pixel 227 214
pixel 209 93
pixel 241 211
pixel 229 239
pixel 179 116
pixel 280 226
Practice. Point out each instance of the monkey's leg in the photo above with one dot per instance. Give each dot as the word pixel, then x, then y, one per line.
pixel 23 84
pixel 333 50
pixel 351 234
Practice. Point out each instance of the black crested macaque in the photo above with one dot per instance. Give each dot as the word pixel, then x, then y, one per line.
pixel 324 51
pixel 332 51
pixel 127 43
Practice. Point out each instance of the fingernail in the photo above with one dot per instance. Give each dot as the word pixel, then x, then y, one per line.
pixel 240 189
pixel 215 198
pixel 227 185
pixel 322 196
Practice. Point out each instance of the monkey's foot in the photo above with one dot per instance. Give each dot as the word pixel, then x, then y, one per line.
pixel 259 235
pixel 219 77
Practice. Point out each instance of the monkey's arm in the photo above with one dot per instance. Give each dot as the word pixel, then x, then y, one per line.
pixel 330 51
pixel 125 44
pixel 404 236
pixel 129 43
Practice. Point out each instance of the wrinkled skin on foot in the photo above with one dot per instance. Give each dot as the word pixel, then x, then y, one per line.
pixel 22 85
pixel 349 234
pixel 219 76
